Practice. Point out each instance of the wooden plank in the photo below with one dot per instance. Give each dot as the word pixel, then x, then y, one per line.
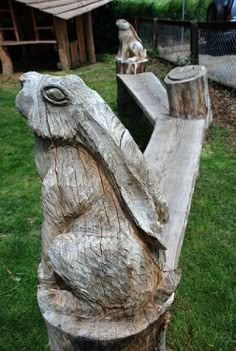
pixel 81 38
pixel 173 153
pixel 85 9
pixel 56 3
pixel 13 15
pixel 63 43
pixel 89 41
pixel 74 53
pixel 148 93
pixel 27 42
pixel 68 10
pixel 7 66
pixel 36 33
pixel 67 7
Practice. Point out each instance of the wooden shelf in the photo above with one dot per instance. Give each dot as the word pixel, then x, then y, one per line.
pixel 28 42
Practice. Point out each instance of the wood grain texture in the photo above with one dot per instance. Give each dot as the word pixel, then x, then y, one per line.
pixel 61 32
pixel 7 66
pixel 88 28
pixel 131 57
pixel 100 280
pixel 174 154
pixel 174 150
pixel 65 9
pixel 187 89
pixel 148 93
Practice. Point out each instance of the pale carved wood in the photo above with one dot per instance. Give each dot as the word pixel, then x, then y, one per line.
pixel 131 57
pixel 174 150
pixel 101 280
pixel 187 89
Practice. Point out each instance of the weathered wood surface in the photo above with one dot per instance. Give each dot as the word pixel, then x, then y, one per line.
pixel 27 42
pixel 65 9
pixel 89 37
pixel 81 38
pixel 147 92
pixel 188 94
pixel 131 57
pixel 174 150
pixel 7 66
pixel 62 42
pixel 174 154
pixel 101 283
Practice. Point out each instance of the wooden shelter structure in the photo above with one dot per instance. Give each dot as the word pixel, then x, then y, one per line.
pixel 65 24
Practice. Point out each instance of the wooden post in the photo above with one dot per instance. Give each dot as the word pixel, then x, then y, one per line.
pixel 61 32
pixel 194 45
pixel 155 33
pixel 188 94
pixel 89 37
pixel 7 66
pixel 81 38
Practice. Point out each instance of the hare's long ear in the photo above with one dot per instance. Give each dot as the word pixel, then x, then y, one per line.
pixel 135 33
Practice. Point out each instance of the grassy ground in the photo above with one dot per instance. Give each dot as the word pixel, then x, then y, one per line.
pixel 205 309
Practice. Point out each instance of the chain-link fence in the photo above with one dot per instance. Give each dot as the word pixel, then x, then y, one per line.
pixel 183 42
pixel 174 43
pixel 217 52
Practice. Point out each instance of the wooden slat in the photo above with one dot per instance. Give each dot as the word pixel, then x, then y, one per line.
pixel 56 3
pixel 148 93
pixel 82 10
pixel 14 20
pixel 81 38
pixel 61 32
pixel 89 38
pixel 173 153
pixel 26 42
pixel 65 9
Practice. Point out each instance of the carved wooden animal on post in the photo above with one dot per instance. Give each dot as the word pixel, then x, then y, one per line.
pixel 130 47
pixel 101 284
pixel 131 51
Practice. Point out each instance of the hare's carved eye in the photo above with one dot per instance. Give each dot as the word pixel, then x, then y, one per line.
pixel 55 96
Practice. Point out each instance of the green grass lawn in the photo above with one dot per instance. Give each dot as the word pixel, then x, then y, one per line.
pixel 205 309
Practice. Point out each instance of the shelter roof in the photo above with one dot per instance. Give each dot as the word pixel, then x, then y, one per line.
pixel 65 9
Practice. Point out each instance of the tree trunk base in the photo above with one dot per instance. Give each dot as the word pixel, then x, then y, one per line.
pixel 149 340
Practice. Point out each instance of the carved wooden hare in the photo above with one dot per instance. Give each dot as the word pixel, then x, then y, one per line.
pixel 101 233
pixel 130 48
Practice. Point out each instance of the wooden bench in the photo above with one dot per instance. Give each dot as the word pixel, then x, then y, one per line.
pixel 174 149
pixel 108 273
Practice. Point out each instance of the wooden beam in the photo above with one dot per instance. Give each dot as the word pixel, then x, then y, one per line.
pixel 61 32
pixel 14 21
pixel 89 38
pixel 7 66
pixel 81 38
pixel 36 33
pixel 27 42
pixel 74 54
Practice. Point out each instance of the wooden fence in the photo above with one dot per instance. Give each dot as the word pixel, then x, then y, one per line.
pixel 212 44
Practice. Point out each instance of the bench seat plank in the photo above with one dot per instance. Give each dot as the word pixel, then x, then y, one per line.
pixel 148 93
pixel 173 153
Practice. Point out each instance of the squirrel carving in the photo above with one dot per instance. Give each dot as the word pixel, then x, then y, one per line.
pixel 130 45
